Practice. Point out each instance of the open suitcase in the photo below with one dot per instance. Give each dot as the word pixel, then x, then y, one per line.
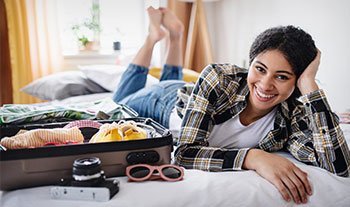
pixel 21 168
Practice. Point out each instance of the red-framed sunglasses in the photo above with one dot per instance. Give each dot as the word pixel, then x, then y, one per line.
pixel 56 144
pixel 142 172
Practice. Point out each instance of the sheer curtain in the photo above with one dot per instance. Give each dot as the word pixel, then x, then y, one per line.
pixel 5 63
pixel 34 43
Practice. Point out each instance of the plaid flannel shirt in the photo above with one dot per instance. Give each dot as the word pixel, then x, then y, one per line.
pixel 306 128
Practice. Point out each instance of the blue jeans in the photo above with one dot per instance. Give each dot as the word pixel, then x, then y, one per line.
pixel 156 101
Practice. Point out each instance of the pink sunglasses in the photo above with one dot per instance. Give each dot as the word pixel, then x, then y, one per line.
pixel 142 172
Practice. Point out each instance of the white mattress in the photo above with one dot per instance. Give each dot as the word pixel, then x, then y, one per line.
pixel 198 188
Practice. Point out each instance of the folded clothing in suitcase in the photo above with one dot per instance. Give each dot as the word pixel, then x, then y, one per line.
pixel 29 167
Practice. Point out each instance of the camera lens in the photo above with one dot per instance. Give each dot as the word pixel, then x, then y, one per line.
pixel 87 169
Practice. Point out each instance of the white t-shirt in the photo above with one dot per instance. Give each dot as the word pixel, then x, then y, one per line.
pixel 232 133
pixel 175 123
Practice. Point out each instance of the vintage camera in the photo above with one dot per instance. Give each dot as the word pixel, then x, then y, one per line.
pixel 88 183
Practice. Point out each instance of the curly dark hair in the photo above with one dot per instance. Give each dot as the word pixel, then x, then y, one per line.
pixel 297 46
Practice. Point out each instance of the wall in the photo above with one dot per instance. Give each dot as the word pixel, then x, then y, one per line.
pixel 234 24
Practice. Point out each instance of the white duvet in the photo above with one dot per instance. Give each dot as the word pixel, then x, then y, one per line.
pixel 198 188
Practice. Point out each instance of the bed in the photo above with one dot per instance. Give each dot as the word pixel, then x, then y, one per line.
pixel 198 188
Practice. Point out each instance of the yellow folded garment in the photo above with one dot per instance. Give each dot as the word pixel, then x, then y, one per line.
pixel 107 133
pixel 130 132
pixel 124 130
pixel 38 137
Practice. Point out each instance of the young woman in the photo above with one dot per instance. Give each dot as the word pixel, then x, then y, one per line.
pixel 233 117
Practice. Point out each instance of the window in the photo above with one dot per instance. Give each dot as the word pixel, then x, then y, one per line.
pixel 119 20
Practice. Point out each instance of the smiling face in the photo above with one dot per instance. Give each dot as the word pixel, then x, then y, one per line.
pixel 271 80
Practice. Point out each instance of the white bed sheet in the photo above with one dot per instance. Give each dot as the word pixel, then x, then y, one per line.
pixel 198 188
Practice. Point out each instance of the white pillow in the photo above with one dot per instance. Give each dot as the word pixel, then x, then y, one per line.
pixel 85 98
pixel 62 85
pixel 108 76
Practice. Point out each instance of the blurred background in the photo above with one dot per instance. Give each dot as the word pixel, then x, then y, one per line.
pixel 49 36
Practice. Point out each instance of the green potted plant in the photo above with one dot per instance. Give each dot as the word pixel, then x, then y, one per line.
pixel 88 32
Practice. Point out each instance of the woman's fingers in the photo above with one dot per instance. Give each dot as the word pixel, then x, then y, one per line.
pixel 292 189
pixel 291 185
pixel 296 188
pixel 282 173
pixel 313 66
pixel 282 189
pixel 306 82
pixel 303 177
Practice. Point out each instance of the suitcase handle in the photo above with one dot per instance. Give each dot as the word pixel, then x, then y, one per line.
pixel 83 123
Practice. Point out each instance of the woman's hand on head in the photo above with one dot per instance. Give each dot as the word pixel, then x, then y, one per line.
pixel 281 172
pixel 306 82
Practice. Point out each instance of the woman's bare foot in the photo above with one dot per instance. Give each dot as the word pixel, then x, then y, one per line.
pixel 156 33
pixel 172 23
